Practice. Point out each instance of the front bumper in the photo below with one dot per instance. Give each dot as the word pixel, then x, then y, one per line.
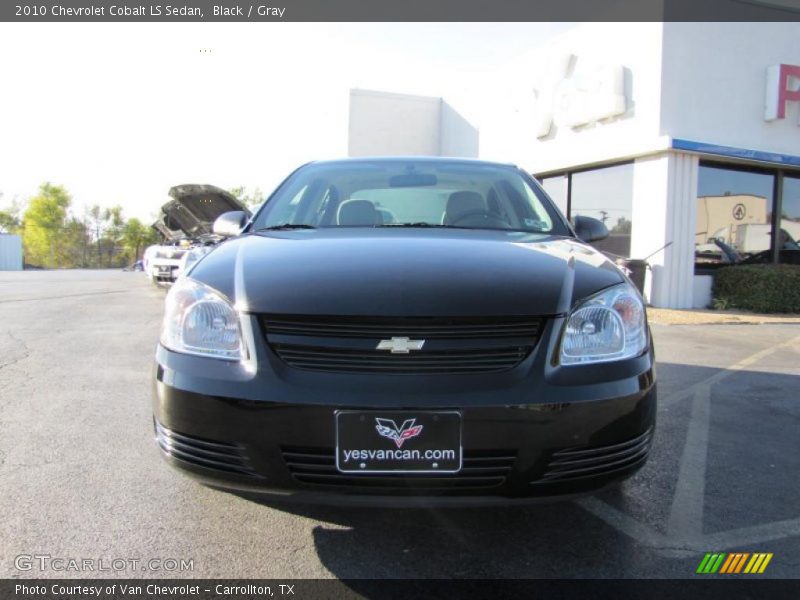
pixel 165 270
pixel 538 430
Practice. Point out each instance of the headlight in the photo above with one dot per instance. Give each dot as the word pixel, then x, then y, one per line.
pixel 201 321
pixel 607 326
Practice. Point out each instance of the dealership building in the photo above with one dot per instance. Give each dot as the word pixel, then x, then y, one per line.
pixel 684 138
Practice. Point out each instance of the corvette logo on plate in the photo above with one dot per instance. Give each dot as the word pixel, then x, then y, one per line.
pixel 389 429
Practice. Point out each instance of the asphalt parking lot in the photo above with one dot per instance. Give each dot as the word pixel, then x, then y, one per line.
pixel 81 477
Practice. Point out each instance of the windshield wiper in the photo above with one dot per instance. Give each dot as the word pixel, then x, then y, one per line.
pixel 419 224
pixel 441 226
pixel 285 226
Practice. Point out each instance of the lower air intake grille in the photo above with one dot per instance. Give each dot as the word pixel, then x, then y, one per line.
pixel 580 463
pixel 219 456
pixel 480 469
pixel 449 361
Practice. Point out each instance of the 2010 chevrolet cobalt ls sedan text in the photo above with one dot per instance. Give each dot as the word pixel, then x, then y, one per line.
pixel 406 328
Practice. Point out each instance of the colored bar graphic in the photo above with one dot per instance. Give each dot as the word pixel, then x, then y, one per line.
pixel 733 563
pixel 730 564
pixel 740 564
pixel 727 564
pixel 711 562
pixel 703 563
pixel 755 562
pixel 765 563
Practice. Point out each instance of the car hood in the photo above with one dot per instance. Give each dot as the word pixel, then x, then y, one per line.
pixel 169 234
pixel 412 273
pixel 195 207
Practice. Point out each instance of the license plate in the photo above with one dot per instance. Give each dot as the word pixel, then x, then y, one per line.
pixel 398 441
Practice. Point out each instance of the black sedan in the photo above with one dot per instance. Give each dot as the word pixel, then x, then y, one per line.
pixel 401 329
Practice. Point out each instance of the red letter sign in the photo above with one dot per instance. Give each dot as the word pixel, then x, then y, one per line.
pixel 783 85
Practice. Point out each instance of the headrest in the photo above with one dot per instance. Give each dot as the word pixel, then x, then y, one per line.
pixel 462 202
pixel 357 212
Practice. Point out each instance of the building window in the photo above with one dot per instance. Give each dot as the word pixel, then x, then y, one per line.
pixel 556 188
pixel 789 236
pixel 606 194
pixel 734 216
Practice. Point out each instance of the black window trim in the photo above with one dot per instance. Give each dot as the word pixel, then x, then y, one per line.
pixel 531 180
pixel 778 174
pixel 568 173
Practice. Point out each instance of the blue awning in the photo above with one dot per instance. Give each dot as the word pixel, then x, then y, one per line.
pixel 741 153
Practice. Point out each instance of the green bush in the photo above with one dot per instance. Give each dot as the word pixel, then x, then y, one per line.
pixel 760 288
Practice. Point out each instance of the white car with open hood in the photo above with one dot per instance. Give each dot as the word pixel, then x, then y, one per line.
pixel 186 226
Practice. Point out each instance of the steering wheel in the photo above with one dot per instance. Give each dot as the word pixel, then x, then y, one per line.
pixel 484 218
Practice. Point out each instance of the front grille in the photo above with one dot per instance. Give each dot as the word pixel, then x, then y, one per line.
pixel 480 469
pixel 165 273
pixel 452 345
pixel 219 456
pixel 580 463
pixel 387 327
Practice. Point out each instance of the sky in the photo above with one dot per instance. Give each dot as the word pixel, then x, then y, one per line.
pixel 118 113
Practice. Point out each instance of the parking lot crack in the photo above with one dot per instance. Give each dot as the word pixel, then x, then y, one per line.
pixel 25 351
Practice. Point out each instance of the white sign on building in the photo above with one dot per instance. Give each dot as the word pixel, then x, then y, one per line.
pixel 576 92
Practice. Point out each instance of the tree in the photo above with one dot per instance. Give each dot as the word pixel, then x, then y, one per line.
pixel 55 237
pixel 136 236
pixel 95 221
pixel 44 224
pixel 72 248
pixel 251 200
pixel 8 222
pixel 623 226
pixel 106 226
pixel 9 218
pixel 113 233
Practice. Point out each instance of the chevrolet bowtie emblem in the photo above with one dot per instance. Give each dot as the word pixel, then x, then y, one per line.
pixel 400 345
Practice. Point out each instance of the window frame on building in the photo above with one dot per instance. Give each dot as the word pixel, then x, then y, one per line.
pixel 778 174
pixel 569 173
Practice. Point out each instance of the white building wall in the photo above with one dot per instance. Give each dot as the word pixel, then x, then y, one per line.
pixel 386 124
pixel 702 291
pixel 681 225
pixel 714 78
pixel 649 209
pixel 10 252
pixel 664 211
pixel 458 136
pixel 634 47
pixel 393 124
pixel 702 82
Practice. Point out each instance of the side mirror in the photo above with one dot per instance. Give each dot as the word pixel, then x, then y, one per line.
pixel 230 224
pixel 589 229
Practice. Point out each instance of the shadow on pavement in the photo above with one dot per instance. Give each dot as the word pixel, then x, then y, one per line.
pixel 488 542
pixel 753 421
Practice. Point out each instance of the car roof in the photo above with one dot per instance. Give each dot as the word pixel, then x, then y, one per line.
pixel 424 159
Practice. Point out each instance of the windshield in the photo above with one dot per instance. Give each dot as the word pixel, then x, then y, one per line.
pixel 409 193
